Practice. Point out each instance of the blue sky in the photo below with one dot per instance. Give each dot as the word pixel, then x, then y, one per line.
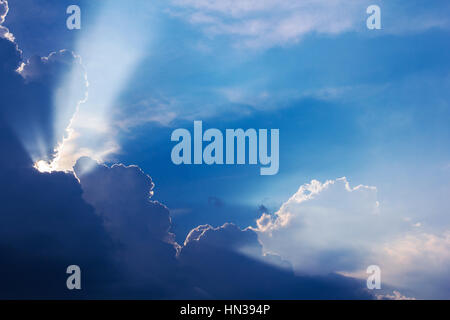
pixel 368 105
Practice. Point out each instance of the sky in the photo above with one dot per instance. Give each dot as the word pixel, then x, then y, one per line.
pixel 364 162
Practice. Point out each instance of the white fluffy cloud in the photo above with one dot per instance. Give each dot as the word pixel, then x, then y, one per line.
pixel 324 227
pixel 332 227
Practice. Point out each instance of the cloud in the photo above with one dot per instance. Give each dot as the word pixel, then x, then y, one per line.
pixel 140 227
pixel 3 10
pixel 45 224
pixel 227 263
pixel 152 110
pixel 332 227
pixel 104 220
pixel 418 260
pixel 4 32
pixel 312 226
pixel 107 225
pixel 396 295
pixel 111 56
pixel 121 194
pixel 227 237
pixel 268 23
pixel 39 123
pixel 52 68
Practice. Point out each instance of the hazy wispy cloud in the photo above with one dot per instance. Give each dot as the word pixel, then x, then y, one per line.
pixel 268 23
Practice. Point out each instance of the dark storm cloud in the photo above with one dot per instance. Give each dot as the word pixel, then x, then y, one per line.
pixel 44 223
pixel 227 263
pixel 28 92
pixel 140 227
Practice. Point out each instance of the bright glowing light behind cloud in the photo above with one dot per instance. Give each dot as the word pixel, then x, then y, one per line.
pixel 110 51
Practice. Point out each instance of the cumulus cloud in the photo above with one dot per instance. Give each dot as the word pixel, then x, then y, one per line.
pixel 81 120
pixel 45 225
pixel 228 263
pixel 332 227
pixel 228 237
pixel 140 226
pixel 107 224
pixel 39 123
pixel 121 194
pixel 312 227
pixel 56 63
